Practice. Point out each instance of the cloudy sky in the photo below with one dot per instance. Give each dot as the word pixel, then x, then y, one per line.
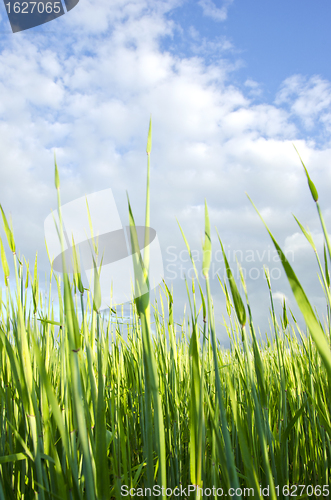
pixel 230 85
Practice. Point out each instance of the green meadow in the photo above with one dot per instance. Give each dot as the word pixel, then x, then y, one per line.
pixel 99 408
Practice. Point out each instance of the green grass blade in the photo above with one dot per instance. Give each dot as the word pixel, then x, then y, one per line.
pixel 304 305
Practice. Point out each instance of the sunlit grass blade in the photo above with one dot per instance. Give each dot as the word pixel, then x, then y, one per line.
pixel 237 300
pixel 304 305
pixel 232 472
pixel 8 231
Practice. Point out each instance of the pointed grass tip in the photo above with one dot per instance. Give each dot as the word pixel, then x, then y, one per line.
pixel 149 138
pixel 311 185
pixel 57 177
pixel 207 244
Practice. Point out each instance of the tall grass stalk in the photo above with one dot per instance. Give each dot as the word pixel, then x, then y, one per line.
pixel 92 406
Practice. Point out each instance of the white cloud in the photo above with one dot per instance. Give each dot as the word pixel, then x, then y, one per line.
pixel 260 120
pixel 308 98
pixel 280 296
pixel 211 10
pixel 253 87
pixel 89 93
pixel 298 243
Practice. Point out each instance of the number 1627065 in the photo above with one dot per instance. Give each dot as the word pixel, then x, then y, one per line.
pixel 33 7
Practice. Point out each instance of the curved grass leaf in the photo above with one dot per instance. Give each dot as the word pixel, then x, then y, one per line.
pixel 237 300
pixel 311 185
pixel 306 309
pixel 8 231
pixel 207 244
pixel 4 262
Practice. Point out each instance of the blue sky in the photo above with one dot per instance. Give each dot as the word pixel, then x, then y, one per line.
pixel 272 39
pixel 230 86
pixel 277 38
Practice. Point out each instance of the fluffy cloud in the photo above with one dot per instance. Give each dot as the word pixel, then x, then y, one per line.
pixel 308 98
pixel 217 13
pixel 88 91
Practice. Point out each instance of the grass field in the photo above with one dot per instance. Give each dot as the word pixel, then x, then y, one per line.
pixel 85 414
